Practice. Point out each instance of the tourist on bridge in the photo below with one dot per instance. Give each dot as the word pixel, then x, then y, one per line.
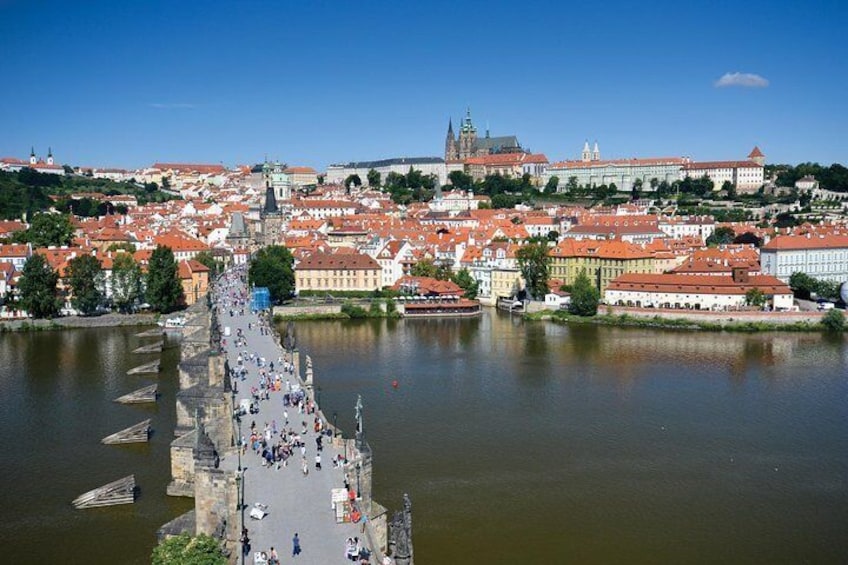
pixel 295 545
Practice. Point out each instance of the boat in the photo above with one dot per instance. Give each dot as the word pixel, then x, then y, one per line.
pixel 177 323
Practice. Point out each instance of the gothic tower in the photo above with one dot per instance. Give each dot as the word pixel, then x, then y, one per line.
pixel 467 137
pixel 596 153
pixel 271 218
pixel 32 159
pixel 451 152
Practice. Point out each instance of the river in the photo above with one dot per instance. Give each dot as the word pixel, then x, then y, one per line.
pixel 517 442
pixel 542 443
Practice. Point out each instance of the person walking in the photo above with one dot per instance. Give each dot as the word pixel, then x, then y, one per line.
pixel 295 545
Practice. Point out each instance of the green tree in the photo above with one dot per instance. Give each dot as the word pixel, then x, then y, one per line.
pixel 272 267
pixel 584 296
pixel 352 180
pixel 469 285
pixel 721 236
pixel 373 178
pixel 533 262
pixel 552 185
pixel 834 321
pixel 424 268
pixel 126 282
pixel 85 277
pixel 50 229
pixel 164 289
pixel 206 258
pixel 187 550
pixel 802 284
pixel 39 296
pixel 755 297
pixel 636 191
pixel 461 180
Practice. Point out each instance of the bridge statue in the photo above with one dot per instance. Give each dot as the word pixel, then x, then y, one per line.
pixel 400 534
pixel 290 340
pixel 360 432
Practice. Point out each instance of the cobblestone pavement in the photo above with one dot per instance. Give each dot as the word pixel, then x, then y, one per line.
pixel 295 503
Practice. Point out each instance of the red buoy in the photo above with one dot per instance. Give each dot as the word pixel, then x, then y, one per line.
pixel 394 384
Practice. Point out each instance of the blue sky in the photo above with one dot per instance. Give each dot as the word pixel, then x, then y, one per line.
pixel 316 82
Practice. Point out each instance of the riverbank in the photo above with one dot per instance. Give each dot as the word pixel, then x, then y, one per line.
pixel 746 322
pixel 72 322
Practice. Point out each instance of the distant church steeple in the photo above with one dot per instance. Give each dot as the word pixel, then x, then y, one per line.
pixel 596 153
pixel 451 152
pixel 49 155
pixel 32 159
pixel 586 154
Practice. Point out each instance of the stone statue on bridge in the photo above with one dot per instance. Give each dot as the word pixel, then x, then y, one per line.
pixel 400 534
pixel 290 340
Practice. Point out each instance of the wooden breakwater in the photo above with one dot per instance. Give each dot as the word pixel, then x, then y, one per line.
pixel 137 433
pixel 140 396
pixel 121 491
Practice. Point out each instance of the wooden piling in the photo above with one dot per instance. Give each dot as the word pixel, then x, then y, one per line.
pixel 121 491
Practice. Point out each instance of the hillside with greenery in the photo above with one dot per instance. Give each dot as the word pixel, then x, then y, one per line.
pixel 834 177
pixel 28 191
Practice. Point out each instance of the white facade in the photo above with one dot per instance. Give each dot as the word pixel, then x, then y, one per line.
pixel 822 257
pixel 679 227
pixel 692 300
pixel 745 175
pixel 336 174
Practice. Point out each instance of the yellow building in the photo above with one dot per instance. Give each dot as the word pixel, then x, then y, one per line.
pixel 338 271
pixel 506 282
pixel 194 276
pixel 603 260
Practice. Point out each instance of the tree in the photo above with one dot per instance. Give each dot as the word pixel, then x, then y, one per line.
pixel 164 289
pixel 187 550
pixel 721 236
pixel 320 179
pixel 354 180
pixel 834 321
pixel 636 191
pixel 748 238
pixel 464 279
pixel 424 268
pixel 50 229
pixel 584 296
pixel 37 287
pixel 373 178
pixel 802 284
pixel 272 267
pixel 85 277
pixel 552 185
pixel 755 297
pixel 533 261
pixel 126 282
pixel 206 258
pixel 729 188
pixel 461 180
pixel 571 186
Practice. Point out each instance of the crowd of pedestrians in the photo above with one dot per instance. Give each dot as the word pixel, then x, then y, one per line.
pixel 291 432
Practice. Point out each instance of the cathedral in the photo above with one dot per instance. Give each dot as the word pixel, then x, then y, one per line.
pixel 469 145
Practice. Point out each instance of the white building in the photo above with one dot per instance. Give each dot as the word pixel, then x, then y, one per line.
pixel 678 227
pixel 336 174
pixel 820 256
pixel 591 170
pixel 696 292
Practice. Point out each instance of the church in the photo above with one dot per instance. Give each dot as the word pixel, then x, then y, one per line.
pixel 469 145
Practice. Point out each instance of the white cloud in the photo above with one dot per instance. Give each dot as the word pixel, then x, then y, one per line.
pixel 171 106
pixel 746 80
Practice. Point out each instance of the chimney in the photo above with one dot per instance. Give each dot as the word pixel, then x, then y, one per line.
pixel 740 275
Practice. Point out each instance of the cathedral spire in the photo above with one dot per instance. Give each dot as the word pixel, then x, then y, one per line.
pixel 596 153
pixel 586 154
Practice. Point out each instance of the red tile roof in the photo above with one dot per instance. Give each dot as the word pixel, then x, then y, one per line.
pixel 809 241
pixel 697 284
pixel 342 262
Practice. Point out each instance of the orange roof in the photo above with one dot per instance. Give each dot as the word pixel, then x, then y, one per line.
pixel 190 168
pixel 809 241
pixel 613 249
pixel 755 152
pixel 342 262
pixel 701 284
pixel 721 165
pixel 627 162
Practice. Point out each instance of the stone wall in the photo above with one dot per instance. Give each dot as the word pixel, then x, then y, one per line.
pixel 216 503
pixel 182 466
